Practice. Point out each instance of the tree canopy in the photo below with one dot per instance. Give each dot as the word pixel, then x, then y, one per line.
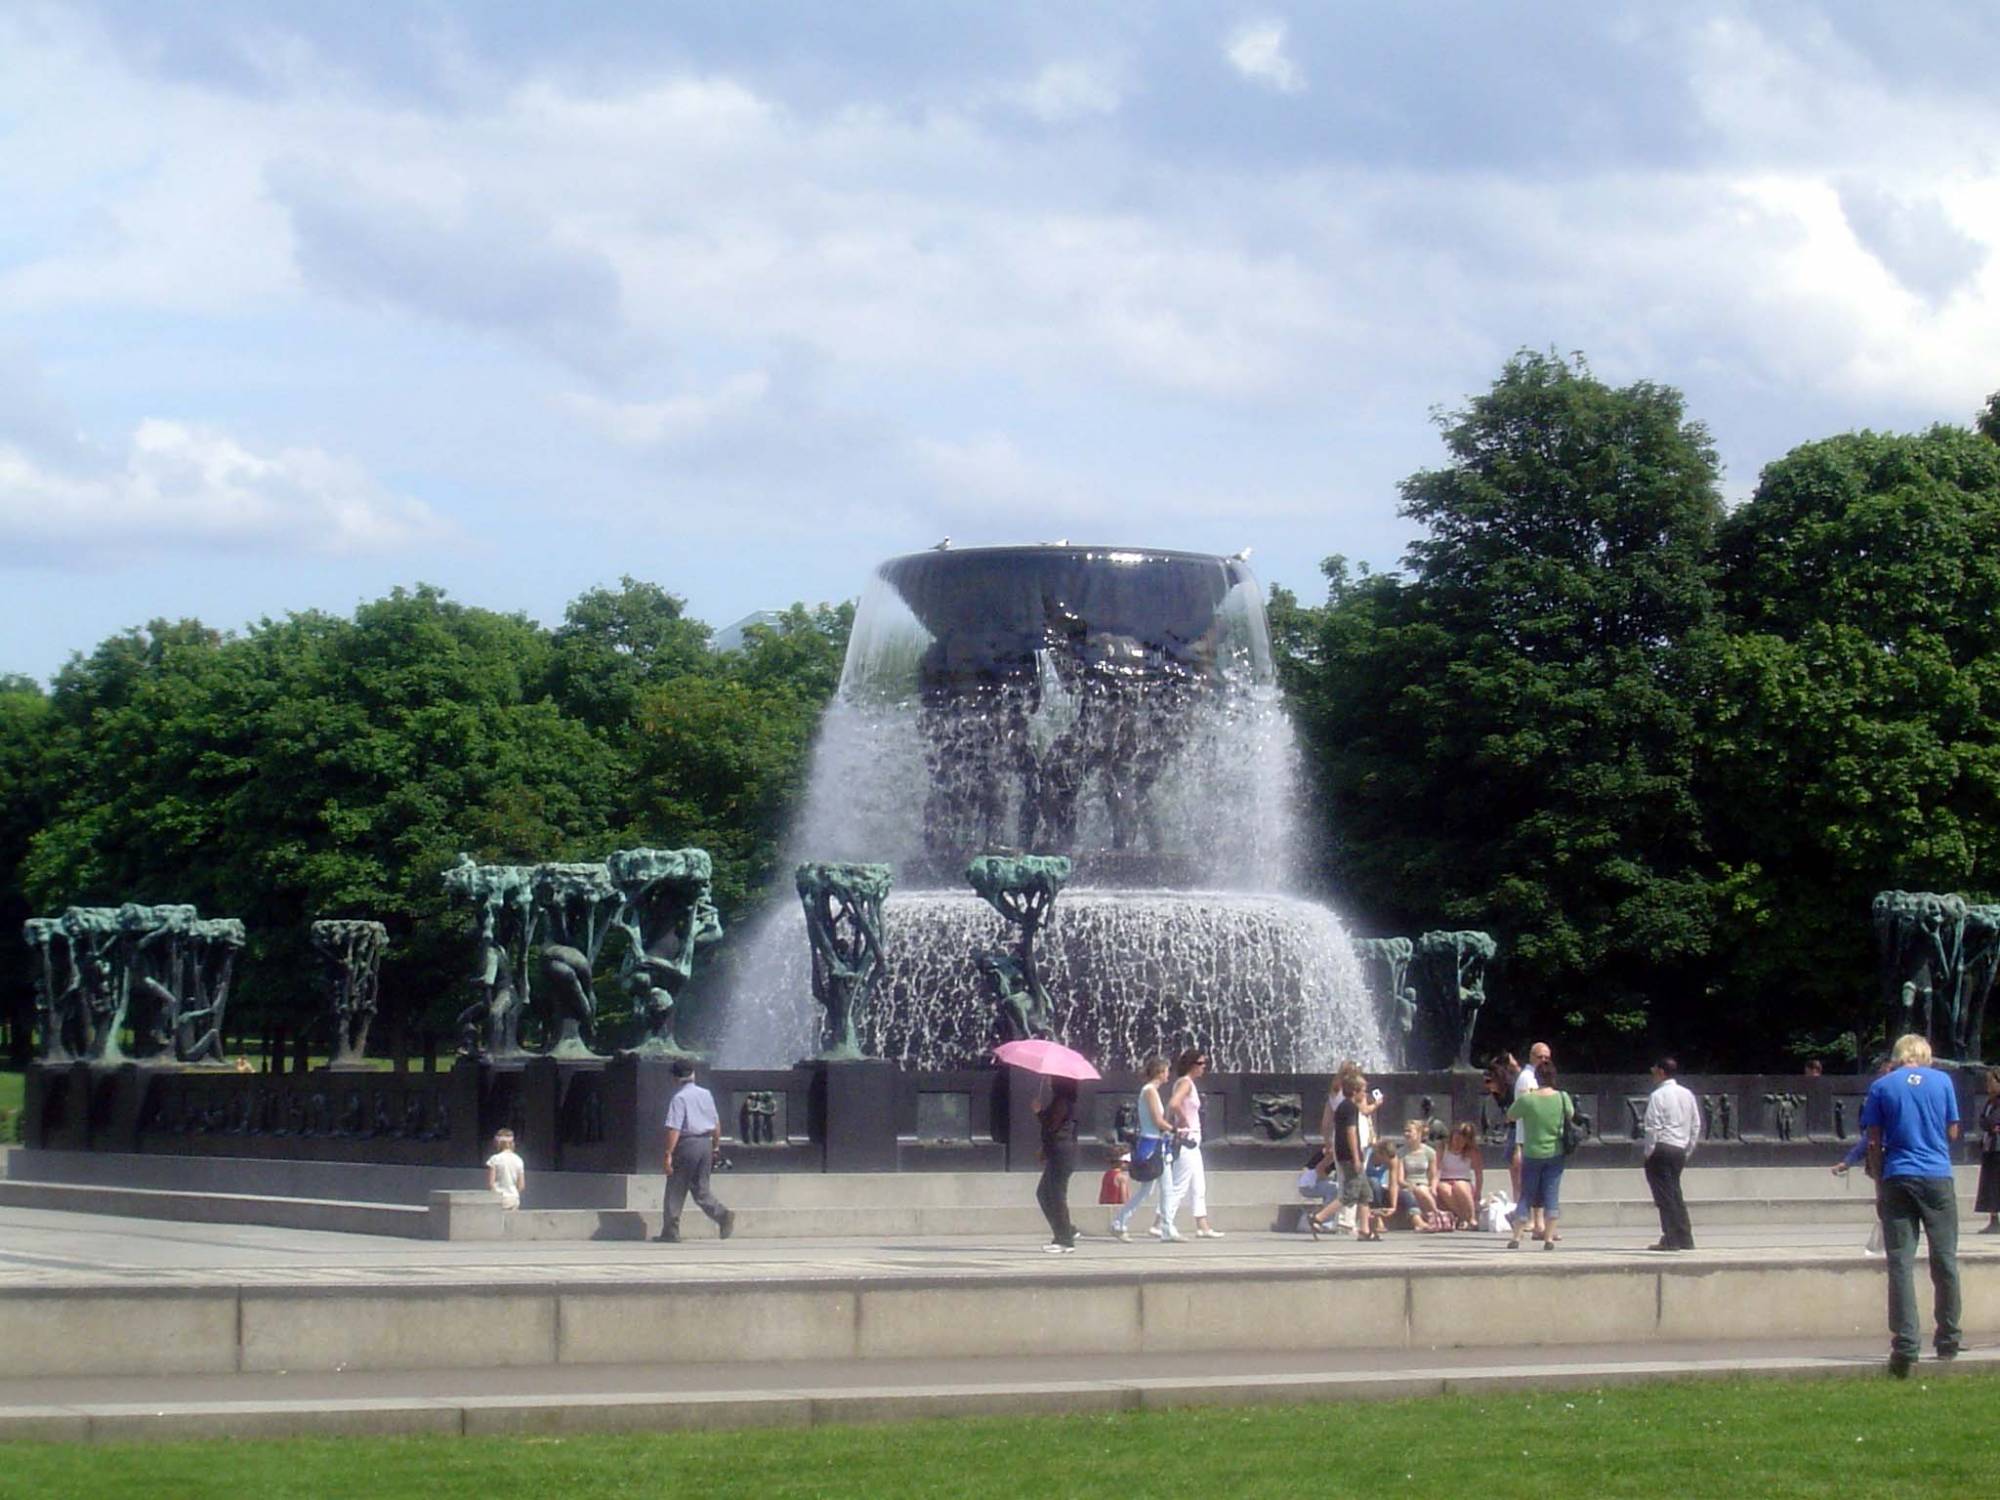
pixel 316 766
pixel 1506 737
pixel 1666 754
pixel 1852 737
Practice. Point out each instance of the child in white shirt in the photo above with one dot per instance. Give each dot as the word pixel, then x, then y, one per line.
pixel 506 1173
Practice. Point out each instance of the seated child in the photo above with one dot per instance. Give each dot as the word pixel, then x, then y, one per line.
pixel 1385 1176
pixel 1115 1187
pixel 506 1174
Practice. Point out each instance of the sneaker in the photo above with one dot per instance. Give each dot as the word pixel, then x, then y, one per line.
pixel 1173 1237
pixel 1899 1366
pixel 1120 1234
pixel 1156 1231
pixel 1052 1248
pixel 726 1226
pixel 667 1237
pixel 1207 1234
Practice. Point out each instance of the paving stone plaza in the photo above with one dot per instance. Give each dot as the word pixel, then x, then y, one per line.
pixel 133 1328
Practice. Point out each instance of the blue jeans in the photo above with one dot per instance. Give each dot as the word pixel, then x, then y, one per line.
pixel 1541 1184
pixel 1904 1204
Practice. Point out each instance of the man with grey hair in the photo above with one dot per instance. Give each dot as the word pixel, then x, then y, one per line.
pixel 694 1135
pixel 1910 1119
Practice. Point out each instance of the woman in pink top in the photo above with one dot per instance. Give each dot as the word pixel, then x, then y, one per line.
pixel 1184 1109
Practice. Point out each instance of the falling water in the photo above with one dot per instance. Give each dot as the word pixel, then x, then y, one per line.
pixel 1222 959
pixel 1266 983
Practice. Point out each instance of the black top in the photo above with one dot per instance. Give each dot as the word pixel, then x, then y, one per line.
pixel 1058 1121
pixel 1346 1128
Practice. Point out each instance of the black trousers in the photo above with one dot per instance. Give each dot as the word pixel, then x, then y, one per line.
pixel 1052 1192
pixel 1663 1176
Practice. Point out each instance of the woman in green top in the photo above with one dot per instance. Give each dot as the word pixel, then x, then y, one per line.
pixel 1541 1113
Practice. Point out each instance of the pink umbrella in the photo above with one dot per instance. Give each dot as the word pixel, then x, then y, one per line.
pixel 1051 1059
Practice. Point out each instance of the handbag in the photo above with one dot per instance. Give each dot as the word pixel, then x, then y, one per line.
pixel 1573 1132
pixel 1148 1160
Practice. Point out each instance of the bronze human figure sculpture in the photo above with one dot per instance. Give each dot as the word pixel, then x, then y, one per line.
pixel 843 906
pixel 1938 955
pixel 1451 984
pixel 161 970
pixel 503 902
pixel 665 915
pixel 1023 1009
pixel 59 1023
pixel 1385 965
pixel 350 955
pixel 574 902
pixel 1979 964
pixel 217 941
pixel 1916 934
pixel 1023 889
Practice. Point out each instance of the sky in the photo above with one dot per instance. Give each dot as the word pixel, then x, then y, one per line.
pixel 301 302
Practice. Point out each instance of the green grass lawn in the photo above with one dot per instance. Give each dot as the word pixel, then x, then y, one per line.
pixel 1749 1438
pixel 12 1085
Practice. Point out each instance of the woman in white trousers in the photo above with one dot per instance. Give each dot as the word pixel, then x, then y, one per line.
pixel 1189 1180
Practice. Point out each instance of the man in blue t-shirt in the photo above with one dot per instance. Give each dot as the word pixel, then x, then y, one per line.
pixel 1910 1119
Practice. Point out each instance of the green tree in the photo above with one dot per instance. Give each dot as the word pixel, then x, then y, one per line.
pixel 615 644
pixel 27 764
pixel 320 767
pixel 1506 739
pixel 721 758
pixel 1852 727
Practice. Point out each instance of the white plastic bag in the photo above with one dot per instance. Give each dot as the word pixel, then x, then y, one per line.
pixel 1495 1212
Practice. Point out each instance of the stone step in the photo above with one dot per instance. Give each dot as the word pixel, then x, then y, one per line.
pixel 1023 1218
pixel 412 1187
pixel 474 1215
pixel 651 1399
pixel 400 1220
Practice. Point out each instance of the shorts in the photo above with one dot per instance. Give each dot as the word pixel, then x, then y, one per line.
pixel 1354 1185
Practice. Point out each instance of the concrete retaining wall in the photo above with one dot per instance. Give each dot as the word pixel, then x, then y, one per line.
pixel 61 1331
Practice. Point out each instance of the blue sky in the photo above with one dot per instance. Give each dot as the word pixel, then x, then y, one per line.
pixel 299 302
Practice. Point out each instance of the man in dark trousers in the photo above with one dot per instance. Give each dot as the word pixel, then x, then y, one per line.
pixel 1670 1129
pixel 1910 1118
pixel 694 1135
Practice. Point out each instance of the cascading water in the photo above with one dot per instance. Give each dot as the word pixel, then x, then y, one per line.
pixel 1113 704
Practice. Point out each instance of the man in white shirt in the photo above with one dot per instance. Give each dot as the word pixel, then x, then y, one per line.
pixel 694 1135
pixel 1671 1128
pixel 1525 1083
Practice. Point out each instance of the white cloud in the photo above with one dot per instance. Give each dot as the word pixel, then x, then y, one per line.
pixel 989 476
pixel 674 421
pixel 180 488
pixel 1257 51
pixel 1064 91
pixel 1914 238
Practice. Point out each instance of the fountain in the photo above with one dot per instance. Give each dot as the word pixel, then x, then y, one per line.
pixel 1114 706
pixel 1051 798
